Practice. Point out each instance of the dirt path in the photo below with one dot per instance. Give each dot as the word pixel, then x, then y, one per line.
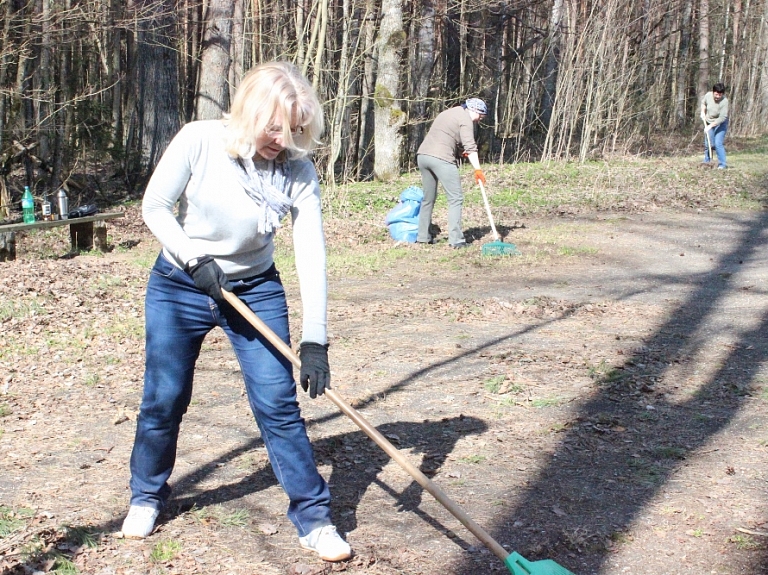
pixel 600 400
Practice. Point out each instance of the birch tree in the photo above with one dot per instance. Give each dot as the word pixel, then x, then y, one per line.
pixel 389 117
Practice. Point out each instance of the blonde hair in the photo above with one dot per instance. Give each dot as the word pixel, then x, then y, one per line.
pixel 274 93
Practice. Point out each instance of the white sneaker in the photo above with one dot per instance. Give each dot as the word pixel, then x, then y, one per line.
pixel 140 522
pixel 327 543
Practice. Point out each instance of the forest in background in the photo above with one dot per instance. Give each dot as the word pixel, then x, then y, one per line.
pixel 103 85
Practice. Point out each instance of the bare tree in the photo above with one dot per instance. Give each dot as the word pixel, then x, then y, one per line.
pixel 156 89
pixel 389 117
pixel 704 80
pixel 213 89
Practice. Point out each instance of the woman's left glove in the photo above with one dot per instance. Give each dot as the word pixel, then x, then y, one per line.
pixel 315 375
pixel 479 176
pixel 208 277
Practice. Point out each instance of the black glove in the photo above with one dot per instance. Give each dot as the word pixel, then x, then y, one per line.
pixel 315 373
pixel 208 277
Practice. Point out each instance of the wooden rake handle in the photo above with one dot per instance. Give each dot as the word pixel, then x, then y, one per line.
pixel 371 431
pixel 488 211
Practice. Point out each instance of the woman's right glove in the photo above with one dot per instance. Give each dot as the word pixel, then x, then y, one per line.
pixel 208 277
pixel 479 176
pixel 315 375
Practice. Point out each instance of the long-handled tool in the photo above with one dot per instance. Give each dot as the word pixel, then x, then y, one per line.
pixel 709 144
pixel 496 247
pixel 516 563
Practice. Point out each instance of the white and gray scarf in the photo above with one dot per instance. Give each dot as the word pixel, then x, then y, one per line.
pixel 270 191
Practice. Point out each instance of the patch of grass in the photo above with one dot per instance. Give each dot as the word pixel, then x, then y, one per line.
pixel 645 472
pixel 92 379
pixel 473 459
pixel 81 536
pixel 125 327
pixel 235 518
pixel 621 537
pixel 569 251
pixel 165 551
pixel 20 309
pixel 223 516
pixel 668 452
pixel 12 521
pixel 744 542
pixel 63 565
pixel 5 410
pixel 546 402
pixel 494 384
pixel 105 282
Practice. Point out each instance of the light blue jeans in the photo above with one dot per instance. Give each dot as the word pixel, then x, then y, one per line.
pixel 178 316
pixel 434 170
pixel 717 137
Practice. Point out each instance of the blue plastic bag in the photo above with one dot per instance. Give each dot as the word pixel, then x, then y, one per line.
pixel 403 219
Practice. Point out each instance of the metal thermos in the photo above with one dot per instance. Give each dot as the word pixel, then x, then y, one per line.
pixel 63 201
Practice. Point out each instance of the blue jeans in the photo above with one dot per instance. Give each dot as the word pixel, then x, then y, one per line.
pixel 717 139
pixel 178 316
pixel 434 170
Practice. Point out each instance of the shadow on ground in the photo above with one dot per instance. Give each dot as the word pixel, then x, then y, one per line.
pixel 600 482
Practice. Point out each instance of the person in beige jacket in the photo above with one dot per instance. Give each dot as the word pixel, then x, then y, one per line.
pixel 437 161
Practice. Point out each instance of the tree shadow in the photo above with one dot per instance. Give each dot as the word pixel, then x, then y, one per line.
pixel 355 465
pixel 599 480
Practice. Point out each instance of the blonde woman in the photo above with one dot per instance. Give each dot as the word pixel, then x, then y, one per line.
pixel 234 180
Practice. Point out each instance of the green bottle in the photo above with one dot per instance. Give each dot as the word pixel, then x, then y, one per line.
pixel 28 206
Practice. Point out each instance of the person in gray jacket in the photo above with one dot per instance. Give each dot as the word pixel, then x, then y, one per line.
pixel 437 158
pixel 714 113
pixel 215 202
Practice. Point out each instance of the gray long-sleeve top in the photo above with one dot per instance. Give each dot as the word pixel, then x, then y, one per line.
pixel 215 217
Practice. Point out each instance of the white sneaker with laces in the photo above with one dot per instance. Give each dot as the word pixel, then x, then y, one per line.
pixel 140 522
pixel 327 543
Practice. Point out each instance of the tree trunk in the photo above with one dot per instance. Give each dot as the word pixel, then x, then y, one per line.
pixel 763 116
pixel 341 96
pixel 213 89
pixel 552 62
pixel 388 116
pixel 424 59
pixel 117 73
pixel 721 69
pixel 239 62
pixel 704 82
pixel 365 130
pixel 681 112
pixel 44 74
pixel 157 96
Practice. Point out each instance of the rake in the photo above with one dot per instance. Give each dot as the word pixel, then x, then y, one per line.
pixel 709 146
pixel 515 562
pixel 496 247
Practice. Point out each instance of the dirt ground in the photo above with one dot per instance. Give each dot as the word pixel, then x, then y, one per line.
pixel 600 400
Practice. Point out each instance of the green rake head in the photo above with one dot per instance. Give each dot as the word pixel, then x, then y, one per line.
pixel 519 565
pixel 499 248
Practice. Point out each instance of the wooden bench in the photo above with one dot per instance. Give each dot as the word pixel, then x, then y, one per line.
pixel 85 233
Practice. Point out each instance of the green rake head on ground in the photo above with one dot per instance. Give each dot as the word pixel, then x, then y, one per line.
pixel 499 248
pixel 519 565
pixel 496 247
